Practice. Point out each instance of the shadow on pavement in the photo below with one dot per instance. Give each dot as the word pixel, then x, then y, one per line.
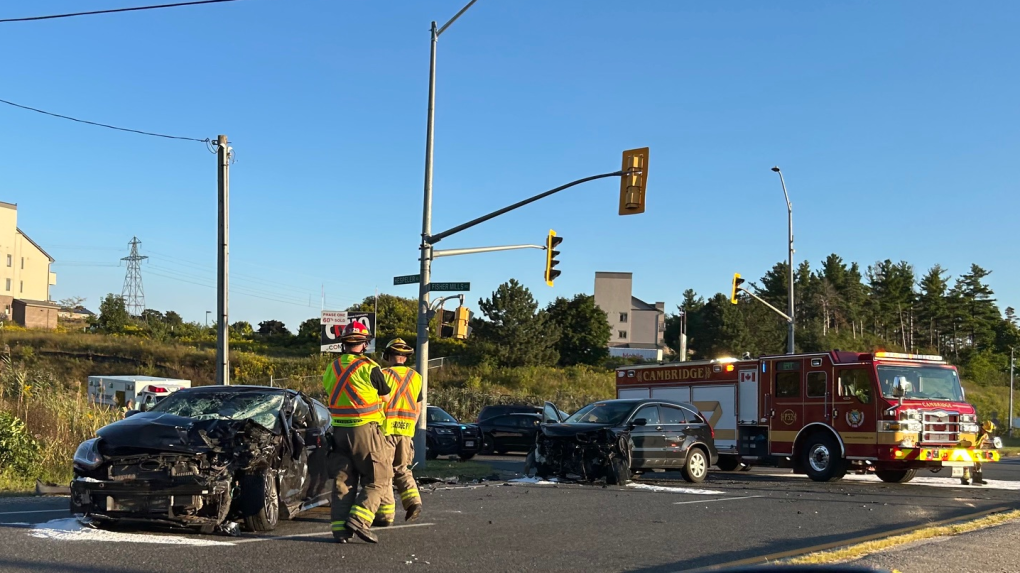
pixel 16 565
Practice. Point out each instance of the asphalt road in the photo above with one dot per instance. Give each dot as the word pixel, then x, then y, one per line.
pixel 654 525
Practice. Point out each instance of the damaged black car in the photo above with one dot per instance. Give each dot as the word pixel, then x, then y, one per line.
pixel 209 457
pixel 614 439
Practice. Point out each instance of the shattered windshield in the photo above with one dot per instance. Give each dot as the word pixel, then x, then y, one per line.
pixel 925 382
pixel 612 413
pixel 261 408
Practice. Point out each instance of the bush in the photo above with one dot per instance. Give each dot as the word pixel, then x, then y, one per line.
pixel 19 451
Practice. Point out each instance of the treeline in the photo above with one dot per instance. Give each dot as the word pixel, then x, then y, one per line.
pixel 838 305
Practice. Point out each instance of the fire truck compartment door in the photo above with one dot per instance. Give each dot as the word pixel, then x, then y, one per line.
pixel 672 394
pixel 748 391
pixel 717 405
pixel 632 393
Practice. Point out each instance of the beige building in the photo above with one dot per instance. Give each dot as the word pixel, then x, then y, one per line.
pixel 24 268
pixel 637 327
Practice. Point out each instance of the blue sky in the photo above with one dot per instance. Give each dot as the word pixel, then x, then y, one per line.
pixel 895 124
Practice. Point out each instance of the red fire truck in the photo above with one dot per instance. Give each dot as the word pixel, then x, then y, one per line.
pixel 825 413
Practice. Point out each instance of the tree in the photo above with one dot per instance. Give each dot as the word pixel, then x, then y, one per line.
pixel 310 331
pixel 173 319
pixel 150 316
pixel 71 302
pixel 584 330
pixel 934 310
pixel 269 328
pixel 242 328
pixel 396 316
pixel 113 314
pixel 515 332
pixel 980 313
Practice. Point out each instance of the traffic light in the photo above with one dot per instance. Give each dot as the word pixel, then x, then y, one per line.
pixel 462 318
pixel 551 242
pixel 632 185
pixel 737 281
pixel 447 320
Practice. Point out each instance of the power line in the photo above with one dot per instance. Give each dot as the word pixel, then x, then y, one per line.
pixel 149 133
pixel 114 10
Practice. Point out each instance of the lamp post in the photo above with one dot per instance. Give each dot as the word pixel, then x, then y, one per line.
pixel 207 313
pixel 422 352
pixel 789 304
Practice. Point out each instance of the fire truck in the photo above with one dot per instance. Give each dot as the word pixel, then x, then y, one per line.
pixel 826 413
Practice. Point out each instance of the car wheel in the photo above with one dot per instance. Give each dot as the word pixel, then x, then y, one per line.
pixel 487 446
pixel 619 472
pixel 430 451
pixel 696 467
pixel 260 501
pixel 822 459
pixel 466 457
pixel 896 476
pixel 728 463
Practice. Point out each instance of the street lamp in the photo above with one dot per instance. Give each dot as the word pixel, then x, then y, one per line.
pixel 789 304
pixel 207 318
pixel 422 354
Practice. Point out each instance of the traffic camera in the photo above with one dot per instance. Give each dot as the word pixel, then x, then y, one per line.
pixel 632 184
pixel 551 242
pixel 737 281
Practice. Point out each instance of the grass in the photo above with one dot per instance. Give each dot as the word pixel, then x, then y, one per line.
pixel 463 471
pixel 863 549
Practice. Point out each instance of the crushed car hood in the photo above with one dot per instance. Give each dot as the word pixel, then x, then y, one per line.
pixel 566 430
pixel 167 432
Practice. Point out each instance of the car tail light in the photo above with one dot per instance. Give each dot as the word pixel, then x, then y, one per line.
pixel 711 429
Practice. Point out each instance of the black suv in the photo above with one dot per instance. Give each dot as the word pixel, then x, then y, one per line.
pixel 446 436
pixel 507 409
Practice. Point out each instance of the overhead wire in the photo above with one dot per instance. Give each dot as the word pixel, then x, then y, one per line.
pixel 114 10
pixel 108 126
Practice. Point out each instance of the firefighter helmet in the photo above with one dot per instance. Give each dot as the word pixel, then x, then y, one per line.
pixel 355 333
pixel 988 427
pixel 399 347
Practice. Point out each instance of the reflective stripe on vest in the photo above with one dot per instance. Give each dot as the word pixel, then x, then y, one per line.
pixel 346 403
pixel 402 410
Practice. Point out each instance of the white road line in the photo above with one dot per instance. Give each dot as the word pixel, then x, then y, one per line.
pixel 36 511
pixel 325 533
pixel 720 499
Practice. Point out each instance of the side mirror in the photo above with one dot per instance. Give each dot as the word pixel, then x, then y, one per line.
pixel 898 387
pixel 640 422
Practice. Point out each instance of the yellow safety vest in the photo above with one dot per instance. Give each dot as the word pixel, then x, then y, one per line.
pixel 402 409
pixel 353 400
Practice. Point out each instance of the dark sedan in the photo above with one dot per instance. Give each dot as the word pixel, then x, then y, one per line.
pixel 613 438
pixel 207 457
pixel 446 436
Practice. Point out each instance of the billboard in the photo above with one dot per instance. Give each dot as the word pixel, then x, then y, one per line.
pixel 332 324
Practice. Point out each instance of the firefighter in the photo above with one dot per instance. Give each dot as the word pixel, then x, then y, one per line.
pixel 402 412
pixel 983 436
pixel 358 392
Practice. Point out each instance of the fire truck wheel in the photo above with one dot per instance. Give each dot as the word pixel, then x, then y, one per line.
pixel 895 476
pixel 822 458
pixel 696 467
pixel 728 463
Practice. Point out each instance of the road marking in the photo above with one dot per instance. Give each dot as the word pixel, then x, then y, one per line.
pixel 946 482
pixel 325 533
pixel 36 511
pixel 720 499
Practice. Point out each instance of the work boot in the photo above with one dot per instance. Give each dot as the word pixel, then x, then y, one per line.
pixel 342 536
pixel 413 512
pixel 362 532
pixel 380 522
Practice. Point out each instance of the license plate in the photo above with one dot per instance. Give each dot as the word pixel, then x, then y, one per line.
pixel 469 443
pixel 957 472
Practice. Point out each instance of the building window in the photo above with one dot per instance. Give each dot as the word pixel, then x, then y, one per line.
pixel 623 317
pixel 10 262
pixel 22 263
pixel 620 334
pixel 21 286
pixel 8 285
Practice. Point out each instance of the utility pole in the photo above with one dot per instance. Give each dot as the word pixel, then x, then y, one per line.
pixel 1012 365
pixel 789 305
pixel 133 293
pixel 223 153
pixel 422 355
pixel 683 336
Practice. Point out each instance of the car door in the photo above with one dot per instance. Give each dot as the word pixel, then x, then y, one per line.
pixel 676 424
pixel 551 414
pixel 294 464
pixel 320 433
pixel 503 431
pixel 649 439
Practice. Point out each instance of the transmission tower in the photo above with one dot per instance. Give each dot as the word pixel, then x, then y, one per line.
pixel 133 293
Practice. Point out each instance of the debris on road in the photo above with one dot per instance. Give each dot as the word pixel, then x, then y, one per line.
pixel 69 529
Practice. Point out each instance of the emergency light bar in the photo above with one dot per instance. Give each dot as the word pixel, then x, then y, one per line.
pixel 904 356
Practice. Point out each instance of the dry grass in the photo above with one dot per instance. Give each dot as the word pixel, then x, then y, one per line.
pixel 863 549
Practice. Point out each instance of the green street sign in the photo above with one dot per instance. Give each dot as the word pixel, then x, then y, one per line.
pixel 449 287
pixel 407 280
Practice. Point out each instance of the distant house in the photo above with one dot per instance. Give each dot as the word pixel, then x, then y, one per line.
pixel 35 313
pixel 76 313
pixel 24 265
pixel 637 327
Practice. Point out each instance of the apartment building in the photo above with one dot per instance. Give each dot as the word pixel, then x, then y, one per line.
pixel 25 274
pixel 637 327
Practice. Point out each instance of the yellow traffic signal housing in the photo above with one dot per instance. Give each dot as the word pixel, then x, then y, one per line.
pixel 447 323
pixel 551 242
pixel 462 318
pixel 632 185
pixel 737 281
